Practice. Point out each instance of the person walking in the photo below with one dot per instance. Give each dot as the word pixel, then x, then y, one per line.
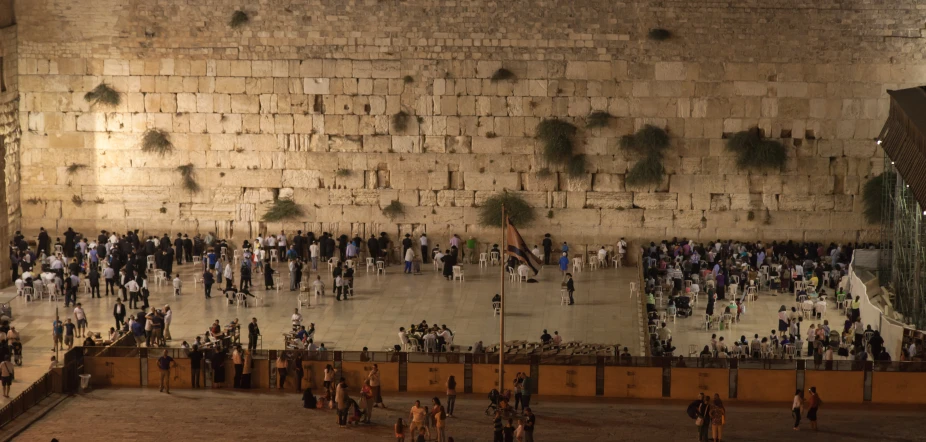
pixel 165 362
pixel 718 418
pixel 208 281
pixel 451 395
pixel 80 317
pixel 813 403
pixel 417 418
pixel 375 385
pixel 440 423
pixel 797 407
pixel 6 375
pixel 409 257
pixel 564 263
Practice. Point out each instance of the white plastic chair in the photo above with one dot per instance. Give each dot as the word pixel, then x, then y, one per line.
pixel 240 298
pixel 563 296
pixel 28 294
pixel 751 294
pixel 522 275
pixel 370 264
pixel 380 267
pixel 458 273
pixel 303 300
pixel 495 257
pixel 273 256
pixel 576 264
pixel 483 260
pixel 332 262
pixel 150 259
pixel 160 276
pixel 511 275
pixel 497 307
pixel 197 279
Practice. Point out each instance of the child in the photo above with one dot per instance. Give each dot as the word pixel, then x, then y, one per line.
pixel 509 431
pixel 399 431
pixel 519 432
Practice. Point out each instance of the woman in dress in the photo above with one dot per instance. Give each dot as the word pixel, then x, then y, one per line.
pixel 218 369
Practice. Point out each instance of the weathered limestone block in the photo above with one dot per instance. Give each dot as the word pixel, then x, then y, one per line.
pixel 609 200
pixel 802 203
pixel 192 211
pixel 658 218
pixel 305 179
pixel 661 201
pixel 720 202
pixel 605 182
pixel 688 219
pixel 746 201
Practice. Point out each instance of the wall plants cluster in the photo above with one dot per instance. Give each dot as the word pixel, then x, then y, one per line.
pixel 650 141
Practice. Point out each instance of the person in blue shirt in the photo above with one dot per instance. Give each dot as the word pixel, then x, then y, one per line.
pixel 564 262
pixel 57 333
pixel 565 247
pixel 138 331
pixel 212 259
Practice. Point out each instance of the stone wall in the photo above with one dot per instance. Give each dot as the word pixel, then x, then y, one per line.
pixel 307 89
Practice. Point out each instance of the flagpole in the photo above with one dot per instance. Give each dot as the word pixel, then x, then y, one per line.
pixel 501 310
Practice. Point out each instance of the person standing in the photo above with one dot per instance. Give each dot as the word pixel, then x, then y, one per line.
pixel 109 275
pixel 451 395
pixel 570 287
pixel 81 319
pixel 94 279
pixel 238 360
pixel 718 418
pixel 366 400
pixel 246 370
pixel 409 257
pixel 269 283
pixel 497 429
pixel 196 360
pixel 218 369
pixel 704 413
pixel 547 249
pixel 69 333
pixel 526 391
pixel 813 403
pixel 342 399
pixel 168 316
pixel 208 280
pixel 253 333
pixel 164 364
pixel 423 240
pixel 229 275
pixel 529 425
pixel 564 263
pixel 417 418
pixel 440 422
pixel 797 407
pixel 375 386
pixel 281 365
pixel 6 375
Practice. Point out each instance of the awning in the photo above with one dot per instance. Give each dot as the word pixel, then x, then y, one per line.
pixel 903 138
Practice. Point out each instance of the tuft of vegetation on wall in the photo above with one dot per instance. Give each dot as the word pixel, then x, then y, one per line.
pixel 503 74
pixel 394 209
pixel 659 34
pixel 189 177
pixel 400 121
pixel 103 94
pixel 556 136
pixel 650 141
pixel 282 209
pixel 238 19
pixel 74 167
pixel 755 152
pixel 156 141
pixel 516 208
pixel 597 119
pixel 647 171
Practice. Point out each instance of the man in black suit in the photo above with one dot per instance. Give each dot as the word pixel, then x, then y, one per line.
pixel 44 241
pixel 547 249
pixel 187 248
pixel 178 246
pixel 119 313
pixel 570 287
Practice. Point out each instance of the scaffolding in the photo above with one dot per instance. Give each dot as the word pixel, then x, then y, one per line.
pixel 903 254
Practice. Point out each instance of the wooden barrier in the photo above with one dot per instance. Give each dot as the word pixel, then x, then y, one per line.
pixel 113 372
pixel 314 374
pixel 836 386
pixel 688 382
pixel 566 380
pixel 433 377
pixel 897 388
pixel 180 374
pixel 633 382
pixel 356 373
pixel 766 385
pixel 485 377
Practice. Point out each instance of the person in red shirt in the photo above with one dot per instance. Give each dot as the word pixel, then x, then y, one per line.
pixel 812 404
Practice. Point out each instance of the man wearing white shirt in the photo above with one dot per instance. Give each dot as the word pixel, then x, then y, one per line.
pixel 448 338
pixel 403 337
pixel 132 288
pixel 423 240
pixel 281 244
pixel 168 315
pixel 911 350
pixel 313 252
pixel 296 319
pixel 621 251
pixel 318 285
pixel 602 256
pixel 81 319
pixel 177 285
pixel 430 342
pixel 536 252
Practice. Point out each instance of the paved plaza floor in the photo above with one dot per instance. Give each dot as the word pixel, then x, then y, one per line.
pixel 604 312
pixel 146 415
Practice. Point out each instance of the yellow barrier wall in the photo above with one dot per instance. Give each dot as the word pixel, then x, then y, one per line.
pixel 356 373
pixel 688 382
pixel 897 388
pixel 633 382
pixel 766 385
pixel 836 386
pixel 113 372
pixel 433 377
pixel 485 377
pixel 180 375
pixel 565 380
pixel 314 374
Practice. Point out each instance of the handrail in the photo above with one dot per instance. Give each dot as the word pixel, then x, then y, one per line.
pixel 32 395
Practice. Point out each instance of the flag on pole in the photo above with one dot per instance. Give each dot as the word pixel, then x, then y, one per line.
pixel 517 248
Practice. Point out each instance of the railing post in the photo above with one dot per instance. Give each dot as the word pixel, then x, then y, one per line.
pixel 868 366
pixel 467 373
pixel 535 374
pixel 666 365
pixel 599 376
pixel 403 372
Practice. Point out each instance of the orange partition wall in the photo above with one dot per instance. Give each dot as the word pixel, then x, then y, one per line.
pixel 433 377
pixel 180 375
pixel 897 388
pixel 485 377
pixel 836 386
pixel 314 374
pixel 113 372
pixel 766 385
pixel 688 382
pixel 633 382
pixel 356 373
pixel 565 380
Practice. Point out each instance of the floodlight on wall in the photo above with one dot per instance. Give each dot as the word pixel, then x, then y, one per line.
pixel 878 141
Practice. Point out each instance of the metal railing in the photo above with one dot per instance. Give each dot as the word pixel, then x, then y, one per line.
pixel 31 396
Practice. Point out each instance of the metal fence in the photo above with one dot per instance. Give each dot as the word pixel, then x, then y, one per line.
pixel 64 379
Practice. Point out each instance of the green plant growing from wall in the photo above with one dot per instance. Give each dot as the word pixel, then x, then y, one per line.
pixel 156 141
pixel 343 172
pixel 188 174
pixel 77 200
pixel 75 167
pixel 768 217
pixel 516 208
pixel 659 34
pixel 556 136
pixel 103 94
pixel 751 215
pixel 754 152
pixel 238 19
pixel 503 74
pixel 408 79
pixel 873 195
pixel 394 209
pixel 597 119
pixel 651 142
pixel 282 209
pixel 400 121
pixel 550 214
